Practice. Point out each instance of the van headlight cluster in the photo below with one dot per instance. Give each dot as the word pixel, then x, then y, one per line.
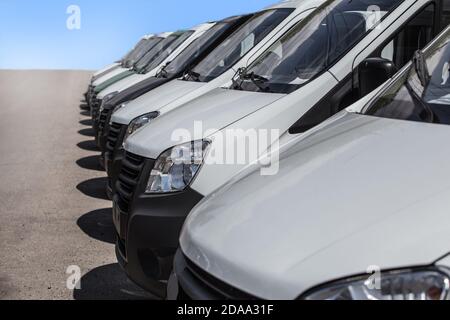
pixel 117 108
pixel 431 284
pixel 106 99
pixel 138 123
pixel 177 167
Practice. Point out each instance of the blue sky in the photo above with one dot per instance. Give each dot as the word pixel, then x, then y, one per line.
pixel 34 35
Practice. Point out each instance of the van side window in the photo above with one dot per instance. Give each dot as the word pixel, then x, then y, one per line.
pixel 416 34
pixel 445 19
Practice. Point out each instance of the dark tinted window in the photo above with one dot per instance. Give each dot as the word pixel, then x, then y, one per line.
pixel 239 44
pixel 136 47
pixel 415 35
pixel 316 43
pixel 178 64
pixel 164 54
pixel 422 93
pixel 140 52
pixel 445 13
pixel 161 51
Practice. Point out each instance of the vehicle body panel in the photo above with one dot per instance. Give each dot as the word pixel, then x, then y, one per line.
pixel 306 241
pixel 216 109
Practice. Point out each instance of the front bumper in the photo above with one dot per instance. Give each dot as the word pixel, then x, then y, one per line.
pixel 148 227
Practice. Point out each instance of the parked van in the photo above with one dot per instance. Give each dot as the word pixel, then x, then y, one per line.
pixel 152 59
pixel 116 65
pixel 180 65
pixel 309 74
pixel 365 192
pixel 168 41
pixel 169 50
pixel 133 56
pixel 215 70
pixel 155 52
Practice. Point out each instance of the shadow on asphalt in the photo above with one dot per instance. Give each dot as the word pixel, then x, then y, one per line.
pixel 87 132
pixel 109 282
pixel 90 163
pixel 88 145
pixel 85 113
pixel 86 122
pixel 94 188
pixel 98 225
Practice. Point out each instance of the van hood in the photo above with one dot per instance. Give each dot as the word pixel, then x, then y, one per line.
pixel 123 84
pixel 109 76
pixel 107 68
pixel 363 191
pixel 215 110
pixel 154 100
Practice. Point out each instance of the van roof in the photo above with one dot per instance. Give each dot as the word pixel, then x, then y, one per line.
pixel 296 4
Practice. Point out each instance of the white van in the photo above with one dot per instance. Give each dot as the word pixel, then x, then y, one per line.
pixel 142 47
pixel 151 69
pixel 215 70
pixel 357 211
pixel 309 74
pixel 120 63
pixel 156 46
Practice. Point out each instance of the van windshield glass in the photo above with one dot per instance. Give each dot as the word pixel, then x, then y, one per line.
pixel 139 45
pixel 141 51
pixel 161 51
pixel 178 64
pixel 314 44
pixel 238 44
pixel 422 92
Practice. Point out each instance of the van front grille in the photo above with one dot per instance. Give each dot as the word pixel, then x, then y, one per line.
pixel 128 180
pixel 115 136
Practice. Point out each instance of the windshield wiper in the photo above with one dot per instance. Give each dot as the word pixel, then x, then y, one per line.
pixel 191 75
pixel 257 80
pixel 242 74
pixel 162 73
pixel 421 68
pixel 238 76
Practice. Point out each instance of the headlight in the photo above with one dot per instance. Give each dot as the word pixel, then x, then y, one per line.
pixel 107 98
pixel 176 168
pixel 138 123
pixel 120 106
pixel 429 284
pixel 117 108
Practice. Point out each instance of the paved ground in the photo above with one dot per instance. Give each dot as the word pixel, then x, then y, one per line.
pixel 53 211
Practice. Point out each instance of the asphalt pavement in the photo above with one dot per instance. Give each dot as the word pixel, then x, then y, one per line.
pixel 54 212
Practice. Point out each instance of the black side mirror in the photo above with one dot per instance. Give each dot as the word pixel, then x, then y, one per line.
pixel 373 72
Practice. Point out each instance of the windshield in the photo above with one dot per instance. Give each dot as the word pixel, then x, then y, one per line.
pixel 141 51
pixel 178 64
pixel 151 55
pixel 422 93
pixel 229 52
pixel 314 44
pixel 166 51
pixel 136 47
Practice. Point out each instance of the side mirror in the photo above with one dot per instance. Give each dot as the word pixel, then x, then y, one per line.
pixel 373 72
